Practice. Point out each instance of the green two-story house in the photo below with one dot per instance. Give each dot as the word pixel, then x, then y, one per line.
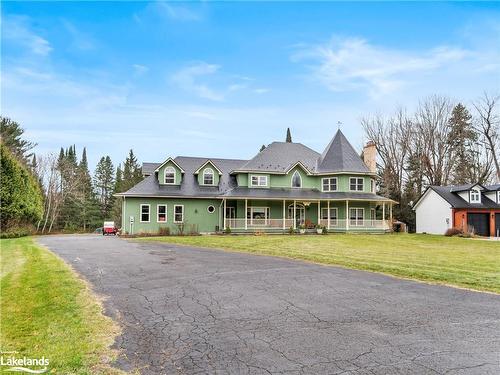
pixel 285 186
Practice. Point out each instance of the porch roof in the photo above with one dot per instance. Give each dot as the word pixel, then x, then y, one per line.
pixel 303 194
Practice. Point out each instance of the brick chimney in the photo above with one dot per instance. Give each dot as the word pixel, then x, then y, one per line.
pixel 370 156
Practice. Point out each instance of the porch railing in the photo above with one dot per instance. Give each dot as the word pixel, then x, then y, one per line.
pixel 337 224
pixel 258 223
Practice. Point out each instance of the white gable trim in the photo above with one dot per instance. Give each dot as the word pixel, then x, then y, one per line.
pixel 301 166
pixel 423 196
pixel 173 162
pixel 205 163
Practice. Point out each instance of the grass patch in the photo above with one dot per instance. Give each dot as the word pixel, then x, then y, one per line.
pixel 473 264
pixel 46 310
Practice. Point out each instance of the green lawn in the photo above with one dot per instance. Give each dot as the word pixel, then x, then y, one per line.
pixel 46 310
pixel 468 263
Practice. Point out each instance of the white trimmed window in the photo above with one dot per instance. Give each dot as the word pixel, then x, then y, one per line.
pixel 258 181
pixel 333 215
pixel 498 197
pixel 208 176
pixel 475 196
pixel 178 213
pixel 145 212
pixel 329 184
pixel 258 215
pixel 170 175
pixel 372 185
pixel 162 213
pixel 296 180
pixel 356 183
pixel 356 216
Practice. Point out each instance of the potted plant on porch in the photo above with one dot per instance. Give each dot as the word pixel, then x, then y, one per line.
pixel 302 229
pixel 319 229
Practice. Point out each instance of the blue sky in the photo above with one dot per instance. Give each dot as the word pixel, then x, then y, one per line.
pixel 221 79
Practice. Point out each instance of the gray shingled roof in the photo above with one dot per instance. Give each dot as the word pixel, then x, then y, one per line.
pixel 189 187
pixel 340 156
pixel 493 187
pixel 290 193
pixel 149 168
pixel 455 201
pixel 280 156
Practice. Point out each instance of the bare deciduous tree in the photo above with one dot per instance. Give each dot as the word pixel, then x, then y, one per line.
pixel 488 123
pixel 433 129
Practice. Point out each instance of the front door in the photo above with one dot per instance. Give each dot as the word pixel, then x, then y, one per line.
pixel 300 213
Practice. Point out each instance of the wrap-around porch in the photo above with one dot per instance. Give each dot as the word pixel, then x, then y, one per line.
pixel 283 215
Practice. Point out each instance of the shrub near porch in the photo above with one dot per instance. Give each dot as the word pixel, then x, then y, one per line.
pixel 468 263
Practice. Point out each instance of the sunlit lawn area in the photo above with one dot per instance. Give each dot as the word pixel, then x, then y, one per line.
pixel 468 263
pixel 46 310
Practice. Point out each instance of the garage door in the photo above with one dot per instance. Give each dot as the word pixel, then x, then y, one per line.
pixel 480 223
pixel 497 225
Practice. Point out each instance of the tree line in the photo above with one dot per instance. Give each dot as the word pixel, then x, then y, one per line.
pixel 57 192
pixel 441 143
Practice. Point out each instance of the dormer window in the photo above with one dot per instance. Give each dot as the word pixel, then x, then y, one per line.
pixel 296 180
pixel 498 197
pixel 208 176
pixel 475 196
pixel 169 176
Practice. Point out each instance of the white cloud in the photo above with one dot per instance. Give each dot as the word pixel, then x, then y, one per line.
pixel 80 40
pixel 140 69
pixel 171 12
pixel 188 79
pixel 18 30
pixel 179 12
pixel 261 90
pixel 353 63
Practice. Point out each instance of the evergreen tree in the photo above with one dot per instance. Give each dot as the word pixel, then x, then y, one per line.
pixel 117 202
pixel 20 193
pixel 126 179
pixel 11 135
pixel 288 136
pixel 462 137
pixel 87 202
pixel 132 173
pixel 105 182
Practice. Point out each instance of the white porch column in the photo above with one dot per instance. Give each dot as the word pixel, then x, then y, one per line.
pixel 347 215
pixel 294 215
pixel 225 214
pixel 246 214
pixel 383 211
pixel 390 215
pixel 328 215
pixel 284 220
pixel 319 212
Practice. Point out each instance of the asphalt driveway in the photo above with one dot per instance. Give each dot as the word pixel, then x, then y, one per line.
pixel 198 311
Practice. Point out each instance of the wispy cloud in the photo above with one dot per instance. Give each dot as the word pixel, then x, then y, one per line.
pixel 353 63
pixel 18 29
pixel 261 90
pixel 172 12
pixel 179 12
pixel 140 69
pixel 188 78
pixel 79 39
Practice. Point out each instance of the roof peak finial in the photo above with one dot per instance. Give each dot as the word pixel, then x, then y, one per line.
pixel 339 124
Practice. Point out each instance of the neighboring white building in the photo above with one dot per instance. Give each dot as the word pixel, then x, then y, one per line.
pixel 466 206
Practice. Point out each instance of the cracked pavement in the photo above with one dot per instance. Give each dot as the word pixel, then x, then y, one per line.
pixel 186 310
